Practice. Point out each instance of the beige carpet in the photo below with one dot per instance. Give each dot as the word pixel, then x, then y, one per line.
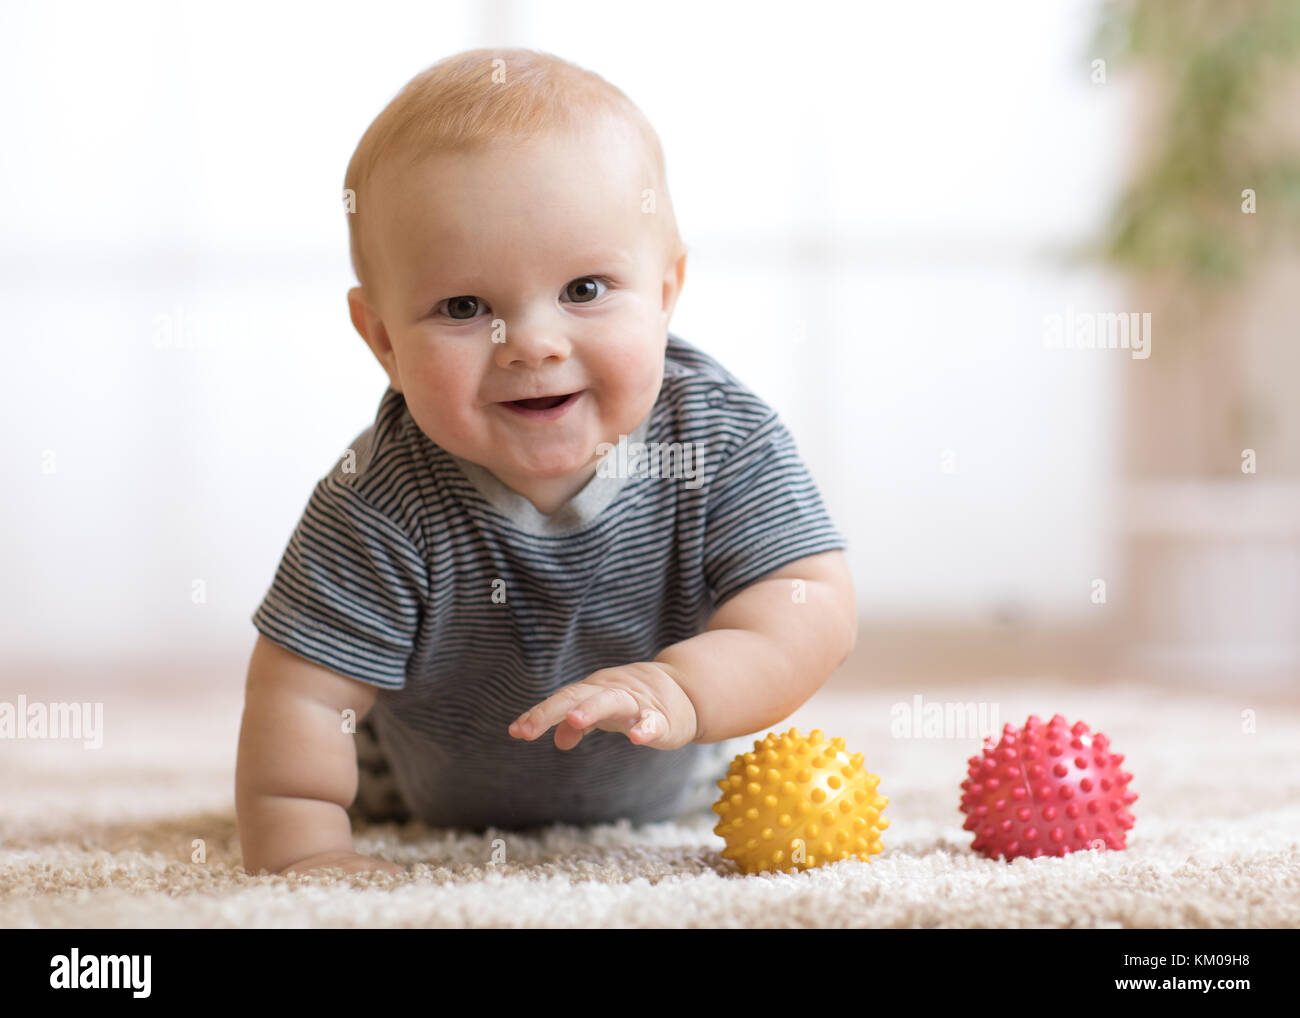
pixel 104 837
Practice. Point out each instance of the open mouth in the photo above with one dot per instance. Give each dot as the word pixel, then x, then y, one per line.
pixel 542 402
pixel 544 408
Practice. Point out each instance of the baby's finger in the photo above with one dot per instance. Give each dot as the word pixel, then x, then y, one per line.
pixel 651 726
pixel 566 736
pixel 534 722
pixel 604 705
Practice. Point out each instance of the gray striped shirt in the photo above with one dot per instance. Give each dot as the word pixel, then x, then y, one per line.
pixel 420 573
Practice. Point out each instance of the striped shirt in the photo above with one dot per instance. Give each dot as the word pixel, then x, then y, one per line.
pixel 420 573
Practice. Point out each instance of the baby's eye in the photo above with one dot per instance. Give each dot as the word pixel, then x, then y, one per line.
pixel 583 290
pixel 461 307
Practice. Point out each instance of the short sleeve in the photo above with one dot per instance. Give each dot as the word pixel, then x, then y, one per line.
pixel 349 591
pixel 763 511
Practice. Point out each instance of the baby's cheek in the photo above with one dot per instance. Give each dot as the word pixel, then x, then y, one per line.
pixel 441 399
pixel 633 370
pixel 438 425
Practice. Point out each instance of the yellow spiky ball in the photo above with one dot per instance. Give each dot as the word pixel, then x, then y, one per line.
pixel 797 802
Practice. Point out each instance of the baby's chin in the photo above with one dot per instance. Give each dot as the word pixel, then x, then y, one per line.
pixel 551 467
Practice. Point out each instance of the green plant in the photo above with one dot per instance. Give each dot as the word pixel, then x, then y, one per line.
pixel 1219 65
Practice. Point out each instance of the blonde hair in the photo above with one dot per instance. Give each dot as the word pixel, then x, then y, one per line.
pixel 468 100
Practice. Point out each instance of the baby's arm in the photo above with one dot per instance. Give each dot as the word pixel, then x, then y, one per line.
pixel 297 769
pixel 766 651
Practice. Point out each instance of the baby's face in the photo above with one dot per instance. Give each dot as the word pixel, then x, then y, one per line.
pixel 522 271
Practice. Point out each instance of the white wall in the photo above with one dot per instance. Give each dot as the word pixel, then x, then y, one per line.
pixel 869 191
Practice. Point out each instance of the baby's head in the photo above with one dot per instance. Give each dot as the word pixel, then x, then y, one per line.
pixel 513 237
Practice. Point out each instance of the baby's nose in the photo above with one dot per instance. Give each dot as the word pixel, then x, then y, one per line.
pixel 516 344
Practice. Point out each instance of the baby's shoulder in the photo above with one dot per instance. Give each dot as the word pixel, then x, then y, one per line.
pixel 383 444
pixel 703 399
pixel 379 471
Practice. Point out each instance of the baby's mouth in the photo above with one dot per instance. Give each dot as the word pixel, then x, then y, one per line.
pixel 542 402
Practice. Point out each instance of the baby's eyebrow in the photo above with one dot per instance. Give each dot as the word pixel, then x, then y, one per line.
pixel 579 263
pixel 605 256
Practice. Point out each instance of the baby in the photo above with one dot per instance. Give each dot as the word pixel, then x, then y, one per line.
pixel 563 517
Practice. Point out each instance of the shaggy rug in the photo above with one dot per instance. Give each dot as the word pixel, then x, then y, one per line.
pixel 141 831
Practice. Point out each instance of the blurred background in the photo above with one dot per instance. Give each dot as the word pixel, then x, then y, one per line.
pixel 893 212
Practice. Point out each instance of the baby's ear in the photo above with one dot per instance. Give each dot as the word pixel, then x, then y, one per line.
pixel 357 308
pixel 367 322
pixel 674 277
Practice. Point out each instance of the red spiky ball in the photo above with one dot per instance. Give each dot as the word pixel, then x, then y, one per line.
pixel 1046 790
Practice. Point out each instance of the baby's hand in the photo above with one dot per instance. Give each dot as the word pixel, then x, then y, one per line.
pixel 641 700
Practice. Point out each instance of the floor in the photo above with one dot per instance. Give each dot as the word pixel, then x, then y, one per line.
pixel 141 832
